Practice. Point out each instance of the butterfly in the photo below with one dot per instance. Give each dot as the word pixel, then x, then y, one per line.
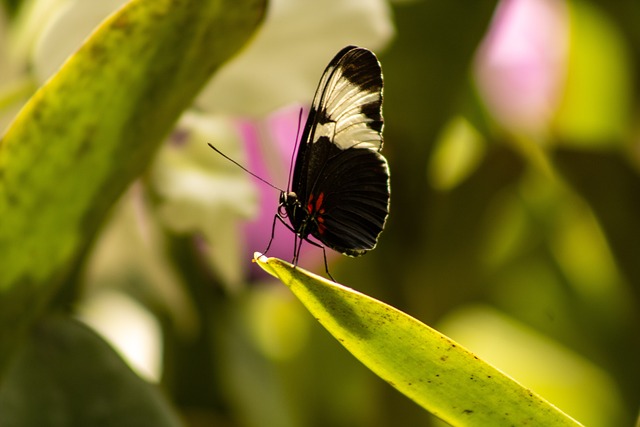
pixel 339 190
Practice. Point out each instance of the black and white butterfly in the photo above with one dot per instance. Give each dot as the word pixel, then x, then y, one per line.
pixel 339 190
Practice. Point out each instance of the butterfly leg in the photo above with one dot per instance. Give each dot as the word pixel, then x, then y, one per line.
pixel 326 266
pixel 296 246
pixel 324 255
pixel 273 233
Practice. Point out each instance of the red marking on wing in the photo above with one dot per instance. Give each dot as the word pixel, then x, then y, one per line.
pixel 310 204
pixel 317 206
pixel 321 226
pixel 319 202
pixel 316 210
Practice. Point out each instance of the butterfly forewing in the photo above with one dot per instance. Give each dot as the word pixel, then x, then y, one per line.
pixel 340 178
pixel 349 104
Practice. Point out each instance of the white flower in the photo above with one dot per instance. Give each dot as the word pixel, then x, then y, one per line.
pixel 283 63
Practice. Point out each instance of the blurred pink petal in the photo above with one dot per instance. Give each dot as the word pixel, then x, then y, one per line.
pixel 521 64
pixel 269 147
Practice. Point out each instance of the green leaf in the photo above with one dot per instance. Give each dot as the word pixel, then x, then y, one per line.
pixel 426 366
pixel 66 375
pixel 91 129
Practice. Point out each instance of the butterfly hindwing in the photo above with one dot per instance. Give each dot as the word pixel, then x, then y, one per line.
pixel 353 191
pixel 340 178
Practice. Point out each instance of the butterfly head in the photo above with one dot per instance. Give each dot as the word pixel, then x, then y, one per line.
pixel 287 203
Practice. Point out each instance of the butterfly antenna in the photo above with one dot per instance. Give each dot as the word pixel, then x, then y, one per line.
pixel 243 168
pixel 295 147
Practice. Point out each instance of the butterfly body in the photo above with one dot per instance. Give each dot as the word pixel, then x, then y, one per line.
pixel 339 191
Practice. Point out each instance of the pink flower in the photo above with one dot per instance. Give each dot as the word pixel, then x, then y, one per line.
pixel 270 147
pixel 521 64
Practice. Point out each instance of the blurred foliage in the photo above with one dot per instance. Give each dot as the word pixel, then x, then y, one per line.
pixel 11 5
pixel 522 247
pixel 120 113
pixel 51 370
